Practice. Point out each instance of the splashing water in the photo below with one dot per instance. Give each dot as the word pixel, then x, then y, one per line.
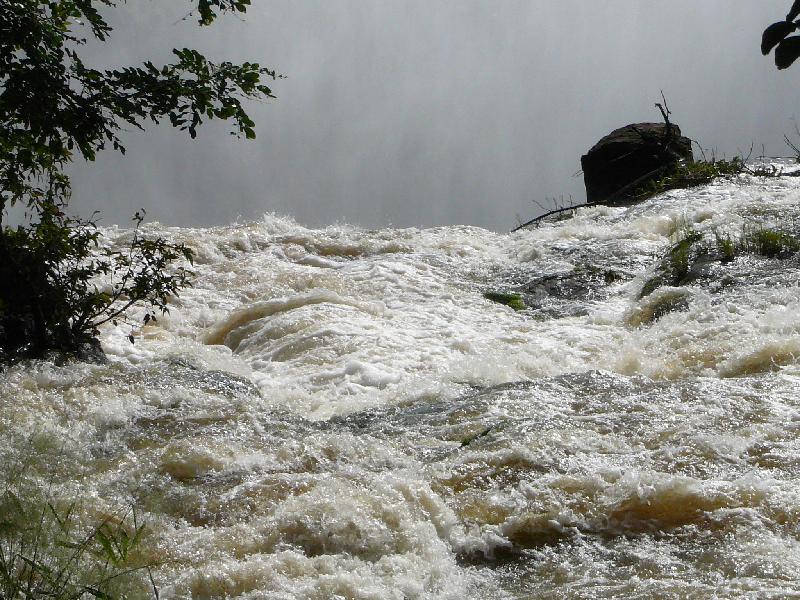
pixel 340 413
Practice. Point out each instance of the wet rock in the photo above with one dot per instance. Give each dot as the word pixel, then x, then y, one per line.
pixel 661 302
pixel 584 282
pixel 91 351
pixel 629 157
pixel 88 350
pixel 177 372
pixel 564 293
pixel 512 300
pixel 677 266
pixel 573 285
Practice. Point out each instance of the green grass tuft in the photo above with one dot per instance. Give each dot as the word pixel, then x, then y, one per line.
pixel 726 246
pixel 675 267
pixel 691 174
pixel 760 241
pixel 772 243
pixel 50 551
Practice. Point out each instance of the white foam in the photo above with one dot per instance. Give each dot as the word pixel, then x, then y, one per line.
pixel 230 415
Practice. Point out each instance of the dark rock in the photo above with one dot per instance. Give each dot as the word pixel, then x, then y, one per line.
pixel 91 351
pixel 629 157
pixel 568 293
pixel 561 286
pixel 510 299
pixel 584 282
pixel 676 267
pixel 84 349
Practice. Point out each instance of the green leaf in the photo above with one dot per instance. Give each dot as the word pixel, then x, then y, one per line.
pixel 105 543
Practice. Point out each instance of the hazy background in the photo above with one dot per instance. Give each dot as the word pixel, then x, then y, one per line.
pixel 427 112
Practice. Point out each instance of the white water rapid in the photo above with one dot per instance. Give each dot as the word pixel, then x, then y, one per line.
pixel 340 413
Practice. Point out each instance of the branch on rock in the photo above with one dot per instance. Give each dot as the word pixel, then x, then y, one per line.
pixel 617 196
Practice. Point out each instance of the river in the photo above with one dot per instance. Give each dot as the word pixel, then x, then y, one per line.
pixel 341 413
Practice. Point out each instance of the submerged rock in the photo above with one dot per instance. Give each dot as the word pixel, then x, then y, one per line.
pixel 629 157
pixel 510 299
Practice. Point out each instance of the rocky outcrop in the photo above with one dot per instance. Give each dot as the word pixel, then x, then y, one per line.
pixel 629 157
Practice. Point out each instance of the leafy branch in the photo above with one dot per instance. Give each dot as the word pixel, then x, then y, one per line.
pixel 53 108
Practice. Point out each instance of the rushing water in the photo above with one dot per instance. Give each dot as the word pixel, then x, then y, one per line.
pixel 340 413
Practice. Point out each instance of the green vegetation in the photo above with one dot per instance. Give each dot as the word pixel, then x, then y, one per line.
pixel 727 247
pixel 512 300
pixel 57 285
pixel 675 268
pixel 691 174
pixel 770 242
pixel 701 172
pixel 47 553
pixel 760 241
pixel 49 295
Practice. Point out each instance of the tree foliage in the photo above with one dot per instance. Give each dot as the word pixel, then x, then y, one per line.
pixel 777 36
pixel 55 108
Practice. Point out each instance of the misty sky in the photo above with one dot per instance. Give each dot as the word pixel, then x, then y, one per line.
pixel 430 112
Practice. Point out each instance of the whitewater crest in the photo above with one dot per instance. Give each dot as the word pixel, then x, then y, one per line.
pixel 342 413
